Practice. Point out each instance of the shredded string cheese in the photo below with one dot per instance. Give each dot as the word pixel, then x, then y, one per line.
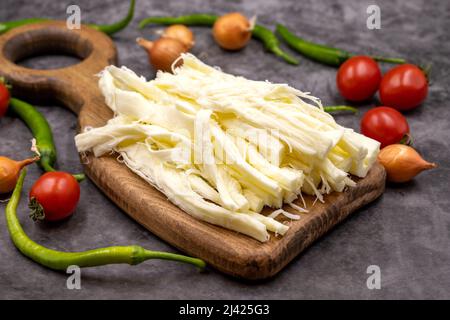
pixel 223 147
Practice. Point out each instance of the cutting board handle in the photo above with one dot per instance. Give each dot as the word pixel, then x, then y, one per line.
pixel 74 86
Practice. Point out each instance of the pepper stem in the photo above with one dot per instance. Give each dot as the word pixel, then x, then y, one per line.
pixel 389 60
pixel 148 254
pixel 79 177
pixel 340 108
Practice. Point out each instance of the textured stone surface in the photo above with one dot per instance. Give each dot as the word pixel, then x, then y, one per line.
pixel 406 232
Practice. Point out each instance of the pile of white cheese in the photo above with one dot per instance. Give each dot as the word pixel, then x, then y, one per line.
pixel 222 147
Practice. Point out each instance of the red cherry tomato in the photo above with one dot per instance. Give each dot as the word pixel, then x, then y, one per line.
pixel 384 124
pixel 4 99
pixel 57 193
pixel 358 78
pixel 403 87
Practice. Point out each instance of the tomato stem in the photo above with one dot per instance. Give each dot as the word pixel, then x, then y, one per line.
pixel 426 69
pixel 407 140
pixel 5 83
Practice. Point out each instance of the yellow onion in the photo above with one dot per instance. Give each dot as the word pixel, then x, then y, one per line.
pixel 232 31
pixel 402 163
pixel 163 52
pixel 9 172
pixel 181 33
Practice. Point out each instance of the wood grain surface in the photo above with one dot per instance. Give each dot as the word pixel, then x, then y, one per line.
pixel 76 88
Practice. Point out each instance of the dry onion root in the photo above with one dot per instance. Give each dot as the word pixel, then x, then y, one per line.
pixel 402 163
pixel 232 31
pixel 163 52
pixel 181 33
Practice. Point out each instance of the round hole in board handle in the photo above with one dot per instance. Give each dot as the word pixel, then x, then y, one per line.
pixel 37 47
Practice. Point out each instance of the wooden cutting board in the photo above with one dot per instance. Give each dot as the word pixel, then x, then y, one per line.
pixel 76 88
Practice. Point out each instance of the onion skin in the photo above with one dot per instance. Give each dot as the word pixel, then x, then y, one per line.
pixel 163 52
pixel 402 163
pixel 10 171
pixel 181 33
pixel 232 31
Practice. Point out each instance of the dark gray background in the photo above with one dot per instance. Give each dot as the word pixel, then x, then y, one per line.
pixel 406 232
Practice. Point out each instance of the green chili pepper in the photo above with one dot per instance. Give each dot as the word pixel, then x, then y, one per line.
pixel 340 108
pixel 42 132
pixel 58 260
pixel 320 53
pixel 109 29
pixel 266 36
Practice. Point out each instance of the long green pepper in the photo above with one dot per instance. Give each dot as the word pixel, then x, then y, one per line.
pixel 59 260
pixel 109 29
pixel 263 34
pixel 320 53
pixel 41 131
